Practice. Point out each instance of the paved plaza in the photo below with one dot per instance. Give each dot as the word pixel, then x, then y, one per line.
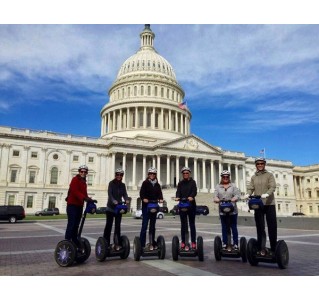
pixel 26 249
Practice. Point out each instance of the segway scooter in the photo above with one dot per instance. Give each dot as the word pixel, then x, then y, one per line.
pixel 188 251
pixel 66 251
pixel 281 254
pixel 226 207
pixel 121 248
pixel 160 249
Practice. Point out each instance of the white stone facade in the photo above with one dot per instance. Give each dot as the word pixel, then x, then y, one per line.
pixel 142 125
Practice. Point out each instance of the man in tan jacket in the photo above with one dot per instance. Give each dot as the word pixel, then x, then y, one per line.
pixel 263 184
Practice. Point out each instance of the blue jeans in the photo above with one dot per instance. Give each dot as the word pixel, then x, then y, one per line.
pixel 74 213
pixel 233 226
pixel 190 215
pixel 148 217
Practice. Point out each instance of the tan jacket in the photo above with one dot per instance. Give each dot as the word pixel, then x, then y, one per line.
pixel 263 183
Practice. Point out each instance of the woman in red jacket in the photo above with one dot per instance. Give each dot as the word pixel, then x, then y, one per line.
pixel 75 201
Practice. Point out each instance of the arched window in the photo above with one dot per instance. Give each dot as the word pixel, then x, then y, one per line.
pixel 54 176
pixel 135 90
pixel 149 90
pixel 155 91
pixel 142 90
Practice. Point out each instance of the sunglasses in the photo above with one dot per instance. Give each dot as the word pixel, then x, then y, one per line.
pixel 225 177
pixel 151 173
pixel 260 164
pixel 185 173
pixel 119 174
pixel 83 172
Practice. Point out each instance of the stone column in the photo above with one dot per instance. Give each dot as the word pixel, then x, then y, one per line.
pixel 204 190
pixel 153 119
pixel 4 159
pixel 134 187
pixel 128 118
pixel 121 120
pixel 244 179
pixel 176 121
pixel 168 179
pixel 124 165
pixel 136 117
pixel 144 166
pixel 162 119
pixel 195 169
pixel 181 122
pixel 186 161
pixel 169 120
pixel 114 121
pixel 236 174
pixel 212 178
pixel 177 169
pixel 159 168
pixel 145 118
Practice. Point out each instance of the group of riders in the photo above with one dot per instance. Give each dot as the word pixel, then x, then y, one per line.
pixel 262 183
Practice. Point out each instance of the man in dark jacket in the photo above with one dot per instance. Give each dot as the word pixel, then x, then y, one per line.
pixel 187 189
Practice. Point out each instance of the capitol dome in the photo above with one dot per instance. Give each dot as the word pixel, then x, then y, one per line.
pixel 145 100
pixel 146 60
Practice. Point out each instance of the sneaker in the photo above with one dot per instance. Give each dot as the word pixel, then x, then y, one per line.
pixel 224 246
pixel 193 245
pixel 182 245
pixel 235 247
pixel 155 246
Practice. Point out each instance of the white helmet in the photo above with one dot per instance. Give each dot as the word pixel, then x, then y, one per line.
pixel 260 159
pixel 152 170
pixel 119 170
pixel 186 169
pixel 225 173
pixel 83 167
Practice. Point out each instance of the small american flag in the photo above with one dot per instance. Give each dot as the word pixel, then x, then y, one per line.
pixel 182 105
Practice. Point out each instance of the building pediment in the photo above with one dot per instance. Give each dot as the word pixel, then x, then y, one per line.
pixel 191 143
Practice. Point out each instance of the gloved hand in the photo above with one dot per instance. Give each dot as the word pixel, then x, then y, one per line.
pixel 264 196
pixel 246 196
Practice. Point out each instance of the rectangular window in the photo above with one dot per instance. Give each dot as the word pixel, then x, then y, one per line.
pixel 310 209
pixel 52 200
pixel 308 180
pixel 277 191
pixel 316 179
pixel 276 175
pixel 32 177
pixel 140 117
pixel 318 194
pixel 75 158
pixel 279 207
pixel 30 201
pixel 13 176
pixel 11 199
pixel 284 176
pixel 148 119
pixel 309 194
pixel 90 180
pixel 286 192
pixel 34 154
pixel 91 159
pixel 287 207
pixel 16 153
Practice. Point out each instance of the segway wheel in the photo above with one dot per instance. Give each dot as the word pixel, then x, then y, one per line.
pixel 218 248
pixel 252 252
pixel 175 246
pixel 243 249
pixel 161 247
pixel 282 254
pixel 87 251
pixel 65 253
pixel 101 249
pixel 137 248
pixel 126 246
pixel 200 248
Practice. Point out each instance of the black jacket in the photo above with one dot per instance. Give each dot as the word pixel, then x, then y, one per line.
pixel 187 188
pixel 150 192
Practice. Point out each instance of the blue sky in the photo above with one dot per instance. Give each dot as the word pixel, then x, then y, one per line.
pixel 249 87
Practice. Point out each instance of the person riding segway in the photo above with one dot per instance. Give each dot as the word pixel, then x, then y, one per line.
pixel 116 207
pixel 262 200
pixel 151 194
pixel 226 194
pixel 185 195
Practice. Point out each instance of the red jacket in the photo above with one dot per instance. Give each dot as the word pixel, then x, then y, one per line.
pixel 77 191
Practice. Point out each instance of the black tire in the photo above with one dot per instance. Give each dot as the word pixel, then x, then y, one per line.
pixel 200 248
pixel 161 247
pixel 243 249
pixel 87 251
pixel 101 249
pixel 218 248
pixel 282 254
pixel 175 248
pixel 137 248
pixel 125 243
pixel 252 252
pixel 160 216
pixel 12 219
pixel 65 253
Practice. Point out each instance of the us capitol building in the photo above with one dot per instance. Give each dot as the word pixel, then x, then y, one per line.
pixel 142 125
